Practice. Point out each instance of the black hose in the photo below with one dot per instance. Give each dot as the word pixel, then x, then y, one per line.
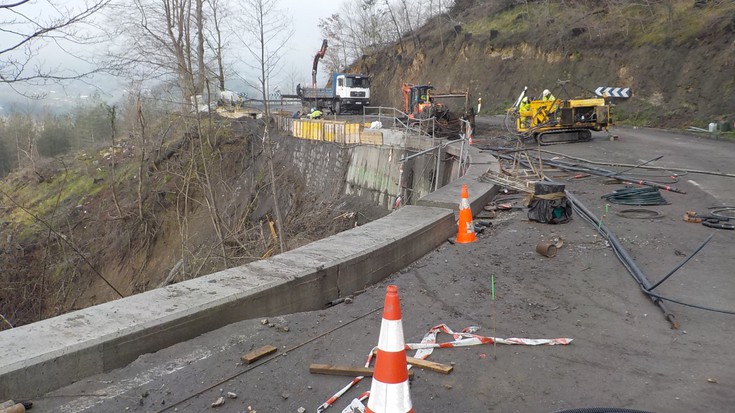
pixel 679 171
pixel 633 269
pixel 627 261
pixel 622 254
pixel 717 212
pixel 602 410
pixel 682 264
pixel 609 174
pixel 641 164
pixel 697 306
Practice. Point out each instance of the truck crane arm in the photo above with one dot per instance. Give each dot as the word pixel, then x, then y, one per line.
pixel 317 56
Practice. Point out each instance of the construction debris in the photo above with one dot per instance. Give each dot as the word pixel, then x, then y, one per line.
pixel 219 402
pixel 546 248
pixel 506 181
pixel 258 354
pixel 337 370
pixel 709 220
pixel 11 406
pixel 429 365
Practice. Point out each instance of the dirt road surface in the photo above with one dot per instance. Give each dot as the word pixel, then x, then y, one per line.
pixel 624 352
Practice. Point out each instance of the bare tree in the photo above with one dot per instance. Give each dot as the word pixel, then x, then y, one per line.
pixel 201 68
pixel 291 78
pixel 396 25
pixel 363 28
pixel 332 28
pixel 162 39
pixel 20 134
pixel 265 33
pixel 30 34
pixel 112 110
pixel 217 39
pixel 407 13
pixel 366 25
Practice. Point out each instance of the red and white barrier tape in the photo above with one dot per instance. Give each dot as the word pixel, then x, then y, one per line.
pixel 428 343
pixel 467 338
pixel 343 390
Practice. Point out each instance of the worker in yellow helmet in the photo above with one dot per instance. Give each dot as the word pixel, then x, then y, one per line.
pixel 316 113
pixel 524 111
pixel 525 105
pixel 553 104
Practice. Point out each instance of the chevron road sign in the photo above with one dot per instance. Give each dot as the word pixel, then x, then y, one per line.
pixel 613 92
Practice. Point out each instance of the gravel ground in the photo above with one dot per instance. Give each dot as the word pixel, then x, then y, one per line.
pixel 624 352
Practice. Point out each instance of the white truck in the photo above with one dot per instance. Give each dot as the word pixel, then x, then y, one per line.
pixel 347 93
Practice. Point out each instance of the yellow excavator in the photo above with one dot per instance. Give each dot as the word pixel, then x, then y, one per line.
pixel 552 121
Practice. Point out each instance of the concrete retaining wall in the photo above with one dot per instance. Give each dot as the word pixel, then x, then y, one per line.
pixel 368 172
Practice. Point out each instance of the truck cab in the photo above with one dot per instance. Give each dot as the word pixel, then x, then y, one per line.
pixel 351 92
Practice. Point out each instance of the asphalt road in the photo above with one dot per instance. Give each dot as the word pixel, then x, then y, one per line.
pixel 624 353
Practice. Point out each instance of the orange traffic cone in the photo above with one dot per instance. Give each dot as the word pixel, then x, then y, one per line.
pixel 466 230
pixel 389 391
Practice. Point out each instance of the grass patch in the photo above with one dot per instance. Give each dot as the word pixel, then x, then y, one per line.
pixel 64 190
pixel 639 117
pixel 643 23
pixel 509 24
pixel 685 23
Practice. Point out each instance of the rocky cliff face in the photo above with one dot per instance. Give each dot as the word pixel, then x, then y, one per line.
pixel 680 73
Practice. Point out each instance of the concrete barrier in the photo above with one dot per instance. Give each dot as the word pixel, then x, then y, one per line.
pixel 46 355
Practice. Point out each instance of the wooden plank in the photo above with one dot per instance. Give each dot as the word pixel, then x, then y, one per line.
pixel 336 370
pixel 258 354
pixel 430 365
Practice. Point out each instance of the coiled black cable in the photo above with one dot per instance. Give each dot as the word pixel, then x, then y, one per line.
pixel 601 410
pixel 645 196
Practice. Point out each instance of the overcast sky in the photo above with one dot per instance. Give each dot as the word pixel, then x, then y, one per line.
pixel 305 42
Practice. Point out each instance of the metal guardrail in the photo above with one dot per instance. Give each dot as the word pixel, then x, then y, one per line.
pixel 399 119
pixel 422 127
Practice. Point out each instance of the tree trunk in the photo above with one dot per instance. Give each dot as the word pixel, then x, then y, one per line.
pixel 141 170
pixel 112 111
pixel 201 68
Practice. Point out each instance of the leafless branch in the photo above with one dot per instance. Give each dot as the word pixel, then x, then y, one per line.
pixel 29 35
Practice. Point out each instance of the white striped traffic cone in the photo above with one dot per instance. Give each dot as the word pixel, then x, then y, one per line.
pixel 389 391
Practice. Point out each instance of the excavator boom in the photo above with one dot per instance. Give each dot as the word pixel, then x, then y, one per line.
pixel 320 54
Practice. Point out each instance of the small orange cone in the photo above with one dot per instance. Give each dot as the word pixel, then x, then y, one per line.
pixel 389 390
pixel 466 228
